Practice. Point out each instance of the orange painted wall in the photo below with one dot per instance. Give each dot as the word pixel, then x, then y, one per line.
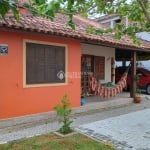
pixel 18 101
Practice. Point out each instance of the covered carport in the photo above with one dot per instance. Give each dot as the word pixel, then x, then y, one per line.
pixel 132 55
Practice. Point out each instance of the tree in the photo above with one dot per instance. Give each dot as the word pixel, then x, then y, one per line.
pixel 137 11
pixel 8 5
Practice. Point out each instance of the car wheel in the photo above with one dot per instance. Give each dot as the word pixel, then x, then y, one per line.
pixel 148 89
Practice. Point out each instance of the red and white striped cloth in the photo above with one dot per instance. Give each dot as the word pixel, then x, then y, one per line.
pixel 107 92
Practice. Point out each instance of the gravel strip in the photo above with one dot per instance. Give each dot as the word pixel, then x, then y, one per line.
pixel 30 132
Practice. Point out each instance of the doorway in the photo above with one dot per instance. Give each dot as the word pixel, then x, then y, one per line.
pixel 94 65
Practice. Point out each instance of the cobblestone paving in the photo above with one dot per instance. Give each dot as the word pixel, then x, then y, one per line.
pixel 126 132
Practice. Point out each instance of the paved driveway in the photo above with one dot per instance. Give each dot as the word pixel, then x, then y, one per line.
pixel 127 132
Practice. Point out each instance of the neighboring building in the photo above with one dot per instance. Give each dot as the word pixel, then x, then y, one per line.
pixel 42 60
pixel 144 36
pixel 109 21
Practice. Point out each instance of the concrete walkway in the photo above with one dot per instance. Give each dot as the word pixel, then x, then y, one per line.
pixel 127 132
pixel 28 126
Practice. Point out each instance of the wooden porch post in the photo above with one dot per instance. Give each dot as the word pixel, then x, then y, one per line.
pixel 133 73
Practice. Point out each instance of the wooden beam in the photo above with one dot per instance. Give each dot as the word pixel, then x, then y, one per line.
pixel 133 74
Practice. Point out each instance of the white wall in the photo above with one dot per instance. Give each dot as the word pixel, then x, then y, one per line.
pixel 107 52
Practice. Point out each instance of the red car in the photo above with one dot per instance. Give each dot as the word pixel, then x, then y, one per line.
pixel 144 81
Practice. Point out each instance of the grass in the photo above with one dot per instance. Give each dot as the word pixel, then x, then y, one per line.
pixel 54 142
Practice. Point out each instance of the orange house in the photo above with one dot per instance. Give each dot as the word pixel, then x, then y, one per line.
pixel 25 90
pixel 40 61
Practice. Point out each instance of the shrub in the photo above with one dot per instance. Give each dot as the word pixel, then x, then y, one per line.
pixel 63 111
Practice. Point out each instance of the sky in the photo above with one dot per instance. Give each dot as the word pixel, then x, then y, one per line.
pixel 145 64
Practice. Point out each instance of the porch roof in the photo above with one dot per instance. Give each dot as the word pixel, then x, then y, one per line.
pixel 57 27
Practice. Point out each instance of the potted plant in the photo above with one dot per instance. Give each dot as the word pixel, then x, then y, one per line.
pixel 83 99
pixel 137 98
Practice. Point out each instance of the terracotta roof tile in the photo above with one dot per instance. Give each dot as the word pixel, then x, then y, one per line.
pixel 58 27
pixel 80 22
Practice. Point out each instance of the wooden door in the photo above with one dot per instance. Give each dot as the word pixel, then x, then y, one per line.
pixel 99 67
pixel 86 69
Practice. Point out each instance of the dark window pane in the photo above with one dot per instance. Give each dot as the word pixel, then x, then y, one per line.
pixel 43 63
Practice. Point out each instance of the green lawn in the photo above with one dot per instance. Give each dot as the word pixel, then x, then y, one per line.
pixel 54 142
